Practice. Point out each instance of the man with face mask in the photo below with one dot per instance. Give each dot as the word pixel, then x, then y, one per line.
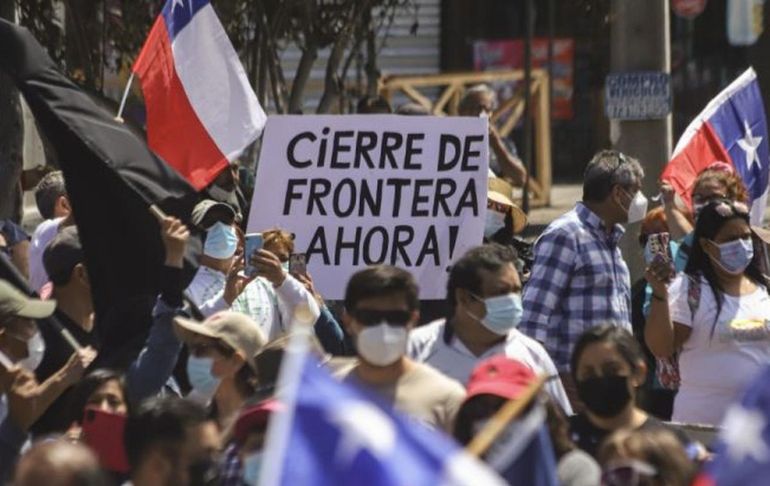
pixel 22 399
pixel 381 308
pixel 171 442
pixel 579 277
pixel 484 293
pixel 209 288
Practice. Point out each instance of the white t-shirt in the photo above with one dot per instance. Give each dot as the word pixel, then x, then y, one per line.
pixel 715 369
pixel 454 359
pixel 44 233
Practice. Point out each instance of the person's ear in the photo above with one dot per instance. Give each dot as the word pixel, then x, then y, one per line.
pixel 640 374
pixel 239 358
pixel 463 297
pixel 414 319
pixel 64 204
pixel 82 274
pixel 160 465
pixel 617 194
pixel 708 247
pixel 347 322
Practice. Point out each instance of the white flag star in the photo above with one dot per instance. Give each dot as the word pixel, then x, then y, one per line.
pixel 742 432
pixel 749 143
pixel 363 426
pixel 177 2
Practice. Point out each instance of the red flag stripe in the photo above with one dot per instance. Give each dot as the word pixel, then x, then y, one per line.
pixel 703 149
pixel 170 113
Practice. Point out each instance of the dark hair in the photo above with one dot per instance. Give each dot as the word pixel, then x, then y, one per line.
pixel 87 386
pixel 623 341
pixel 48 191
pixel 709 222
pixel 246 381
pixel 160 422
pixel 380 280
pixel 464 274
pixel 606 169
pixel 373 104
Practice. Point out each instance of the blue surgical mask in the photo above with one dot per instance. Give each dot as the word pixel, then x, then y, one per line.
pixel 735 256
pixel 495 222
pixel 252 465
pixel 503 313
pixel 199 374
pixel 221 241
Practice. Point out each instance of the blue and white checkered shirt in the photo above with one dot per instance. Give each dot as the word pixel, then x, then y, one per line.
pixel 579 280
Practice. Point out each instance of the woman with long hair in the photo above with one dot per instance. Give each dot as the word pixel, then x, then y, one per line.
pixel 713 315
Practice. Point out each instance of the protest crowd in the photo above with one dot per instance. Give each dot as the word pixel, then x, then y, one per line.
pixel 156 330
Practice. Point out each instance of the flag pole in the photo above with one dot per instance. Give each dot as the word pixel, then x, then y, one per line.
pixel 500 420
pixel 119 116
pixel 287 388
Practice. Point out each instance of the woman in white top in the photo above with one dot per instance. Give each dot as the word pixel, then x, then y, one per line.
pixel 714 315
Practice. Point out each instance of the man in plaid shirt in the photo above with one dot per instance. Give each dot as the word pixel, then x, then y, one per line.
pixel 579 278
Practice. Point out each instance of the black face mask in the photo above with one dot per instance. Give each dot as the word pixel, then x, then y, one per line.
pixel 605 396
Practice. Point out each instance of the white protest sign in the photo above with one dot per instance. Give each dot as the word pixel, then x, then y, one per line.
pixel 359 190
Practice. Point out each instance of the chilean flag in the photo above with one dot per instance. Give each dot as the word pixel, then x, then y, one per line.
pixel 201 110
pixel 732 129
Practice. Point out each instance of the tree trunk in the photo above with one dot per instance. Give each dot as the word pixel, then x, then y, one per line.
pixel 309 55
pixel 332 80
pixel 11 137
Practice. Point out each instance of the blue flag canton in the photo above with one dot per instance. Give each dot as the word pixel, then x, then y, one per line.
pixel 741 125
pixel 340 435
pixel 743 451
pixel 178 13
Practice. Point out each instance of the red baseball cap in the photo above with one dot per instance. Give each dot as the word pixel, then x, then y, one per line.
pixel 254 417
pixel 500 376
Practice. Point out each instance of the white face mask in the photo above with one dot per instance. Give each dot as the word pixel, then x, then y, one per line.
pixel 382 344
pixel 35 352
pixel 494 223
pixel 637 210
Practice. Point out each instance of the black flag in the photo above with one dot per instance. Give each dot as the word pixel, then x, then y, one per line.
pixel 111 178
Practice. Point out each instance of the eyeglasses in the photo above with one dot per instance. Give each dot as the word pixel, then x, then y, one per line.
pixel 374 317
pixel 630 472
pixel 622 160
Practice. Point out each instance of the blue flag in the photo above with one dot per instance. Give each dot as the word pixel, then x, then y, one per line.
pixel 334 434
pixel 743 448
pixel 523 454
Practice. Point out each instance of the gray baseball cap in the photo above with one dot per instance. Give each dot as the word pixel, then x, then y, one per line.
pixel 208 212
pixel 14 303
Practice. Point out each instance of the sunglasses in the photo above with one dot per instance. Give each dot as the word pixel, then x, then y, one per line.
pixel 374 317
pixel 628 473
pixel 496 206
pixel 726 209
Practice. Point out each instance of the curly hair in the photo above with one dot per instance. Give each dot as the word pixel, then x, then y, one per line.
pixel 734 188
pixel 277 237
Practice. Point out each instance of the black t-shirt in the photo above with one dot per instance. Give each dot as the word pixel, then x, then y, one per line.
pixel 589 437
pixel 57 352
